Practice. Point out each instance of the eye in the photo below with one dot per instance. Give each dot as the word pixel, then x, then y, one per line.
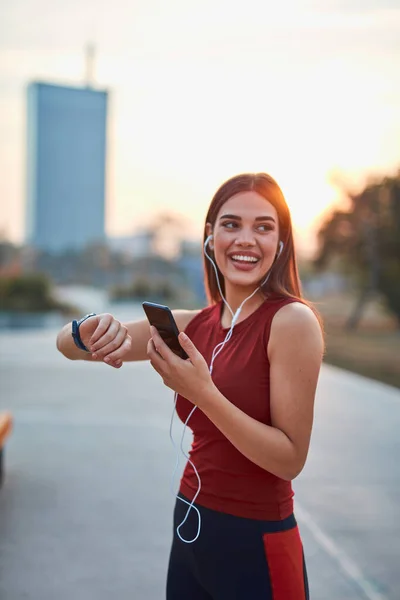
pixel 265 227
pixel 229 224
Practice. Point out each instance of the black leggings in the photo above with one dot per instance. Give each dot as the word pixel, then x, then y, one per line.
pixel 236 558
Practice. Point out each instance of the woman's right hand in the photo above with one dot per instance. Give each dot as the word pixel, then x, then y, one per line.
pixel 106 338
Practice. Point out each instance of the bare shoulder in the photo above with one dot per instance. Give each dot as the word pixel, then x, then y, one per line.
pixel 296 322
pixel 184 317
pixel 295 314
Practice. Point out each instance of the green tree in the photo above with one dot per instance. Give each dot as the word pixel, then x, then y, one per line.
pixel 28 293
pixel 365 242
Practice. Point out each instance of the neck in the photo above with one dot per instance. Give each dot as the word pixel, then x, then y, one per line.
pixel 235 297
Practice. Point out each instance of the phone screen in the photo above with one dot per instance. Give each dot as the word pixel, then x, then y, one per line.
pixel 163 320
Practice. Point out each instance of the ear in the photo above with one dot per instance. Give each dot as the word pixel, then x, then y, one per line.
pixel 209 231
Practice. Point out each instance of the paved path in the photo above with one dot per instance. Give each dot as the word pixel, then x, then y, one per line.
pixel 85 510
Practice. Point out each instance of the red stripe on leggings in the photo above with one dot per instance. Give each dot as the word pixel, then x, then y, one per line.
pixel 284 552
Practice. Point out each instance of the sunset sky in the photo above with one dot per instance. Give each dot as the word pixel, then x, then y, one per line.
pixel 200 91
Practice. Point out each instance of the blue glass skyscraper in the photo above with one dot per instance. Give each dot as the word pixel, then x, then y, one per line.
pixel 66 159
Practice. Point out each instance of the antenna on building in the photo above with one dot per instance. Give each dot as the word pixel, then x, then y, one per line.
pixel 90 57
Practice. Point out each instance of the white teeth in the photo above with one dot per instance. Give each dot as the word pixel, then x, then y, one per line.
pixel 245 258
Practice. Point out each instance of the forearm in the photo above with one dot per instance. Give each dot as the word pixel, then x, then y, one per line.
pixel 266 446
pixel 67 347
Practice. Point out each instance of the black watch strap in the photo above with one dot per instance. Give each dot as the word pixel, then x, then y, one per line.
pixel 75 332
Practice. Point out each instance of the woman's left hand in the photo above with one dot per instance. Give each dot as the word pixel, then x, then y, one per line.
pixel 190 378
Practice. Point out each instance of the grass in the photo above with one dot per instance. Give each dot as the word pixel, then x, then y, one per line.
pixel 373 349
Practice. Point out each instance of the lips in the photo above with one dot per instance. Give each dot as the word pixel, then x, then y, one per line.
pixel 244 265
pixel 247 253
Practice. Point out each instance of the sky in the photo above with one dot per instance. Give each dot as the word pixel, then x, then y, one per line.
pixel 308 91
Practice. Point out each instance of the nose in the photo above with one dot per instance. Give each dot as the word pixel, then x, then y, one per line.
pixel 245 238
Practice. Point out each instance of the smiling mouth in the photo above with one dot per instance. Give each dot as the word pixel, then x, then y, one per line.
pixel 244 259
pixel 244 263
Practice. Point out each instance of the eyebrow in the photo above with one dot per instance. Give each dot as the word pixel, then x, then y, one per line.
pixel 266 218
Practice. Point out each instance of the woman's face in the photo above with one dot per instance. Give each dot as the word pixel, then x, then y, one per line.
pixel 245 238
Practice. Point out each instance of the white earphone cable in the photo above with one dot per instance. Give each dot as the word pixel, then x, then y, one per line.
pixel 218 348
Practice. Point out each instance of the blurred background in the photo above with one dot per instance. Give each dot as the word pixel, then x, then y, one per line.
pixel 118 122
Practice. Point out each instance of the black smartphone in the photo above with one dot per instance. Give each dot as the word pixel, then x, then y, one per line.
pixel 162 319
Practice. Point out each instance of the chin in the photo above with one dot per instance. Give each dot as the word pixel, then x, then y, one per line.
pixel 243 281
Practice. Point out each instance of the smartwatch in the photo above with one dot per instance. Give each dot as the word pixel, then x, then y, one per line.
pixel 75 332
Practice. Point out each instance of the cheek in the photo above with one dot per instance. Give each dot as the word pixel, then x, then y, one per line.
pixel 270 245
pixel 221 246
pixel 267 244
pixel 222 238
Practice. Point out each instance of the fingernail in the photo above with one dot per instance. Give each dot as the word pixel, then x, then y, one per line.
pixel 107 360
pixel 94 356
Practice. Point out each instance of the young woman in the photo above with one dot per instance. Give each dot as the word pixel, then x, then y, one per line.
pixel 248 387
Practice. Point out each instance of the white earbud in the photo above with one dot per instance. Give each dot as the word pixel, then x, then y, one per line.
pixel 281 245
pixel 210 237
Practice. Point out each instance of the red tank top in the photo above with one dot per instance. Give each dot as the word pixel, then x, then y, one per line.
pixel 230 482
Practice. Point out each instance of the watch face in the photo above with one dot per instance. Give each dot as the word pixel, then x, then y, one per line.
pixel 86 317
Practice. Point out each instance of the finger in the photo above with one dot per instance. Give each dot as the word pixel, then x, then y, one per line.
pixel 114 365
pixel 116 358
pixel 189 347
pixel 116 336
pixel 119 353
pixel 152 350
pixel 107 336
pixel 112 346
pixel 101 328
pixel 102 346
pixel 156 360
pixel 161 346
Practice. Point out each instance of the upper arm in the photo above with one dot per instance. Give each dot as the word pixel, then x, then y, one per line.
pixel 183 317
pixel 295 351
pixel 140 333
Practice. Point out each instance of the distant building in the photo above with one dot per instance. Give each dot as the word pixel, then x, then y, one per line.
pixel 66 158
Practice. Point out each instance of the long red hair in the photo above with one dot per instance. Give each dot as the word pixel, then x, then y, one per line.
pixel 284 279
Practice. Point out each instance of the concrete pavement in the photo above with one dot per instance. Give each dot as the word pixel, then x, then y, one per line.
pixel 85 510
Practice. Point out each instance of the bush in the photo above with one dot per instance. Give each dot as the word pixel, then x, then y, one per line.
pixel 27 293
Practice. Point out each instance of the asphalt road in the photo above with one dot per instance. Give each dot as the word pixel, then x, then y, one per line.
pixel 86 507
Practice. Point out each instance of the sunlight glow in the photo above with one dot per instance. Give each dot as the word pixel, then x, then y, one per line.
pixel 202 92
